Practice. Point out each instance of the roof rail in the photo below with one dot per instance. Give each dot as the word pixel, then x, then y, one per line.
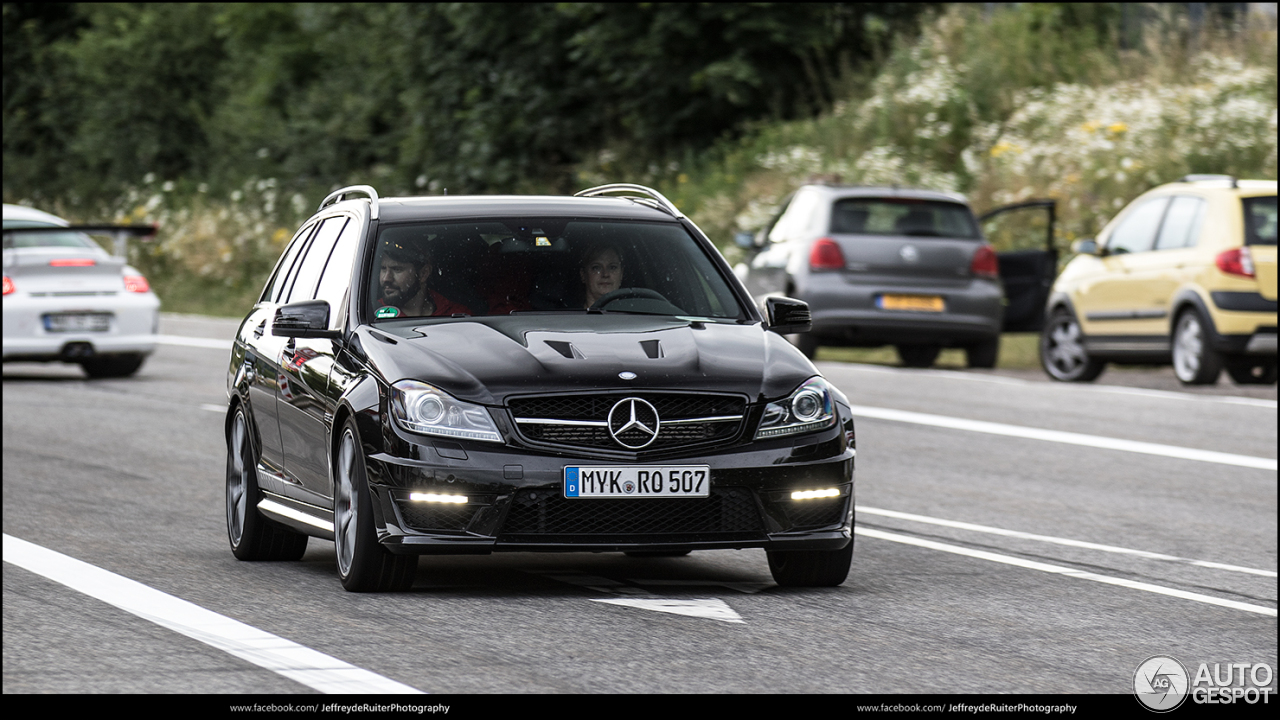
pixel 649 196
pixel 338 196
pixel 1203 178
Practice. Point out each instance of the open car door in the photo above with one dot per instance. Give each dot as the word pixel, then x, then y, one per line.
pixel 1022 235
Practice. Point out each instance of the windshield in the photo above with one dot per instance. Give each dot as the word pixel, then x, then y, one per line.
pixel 43 239
pixel 545 265
pixel 1260 220
pixel 903 216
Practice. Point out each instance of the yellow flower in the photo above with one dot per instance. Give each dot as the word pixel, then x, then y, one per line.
pixel 682 178
pixel 1091 126
pixel 279 236
pixel 1117 128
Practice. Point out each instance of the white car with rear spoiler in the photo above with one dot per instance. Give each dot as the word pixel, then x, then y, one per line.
pixel 66 299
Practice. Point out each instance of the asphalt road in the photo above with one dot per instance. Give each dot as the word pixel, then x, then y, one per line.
pixel 1014 536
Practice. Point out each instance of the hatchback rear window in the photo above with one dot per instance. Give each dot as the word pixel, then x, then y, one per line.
pixel 1260 220
pixel 901 216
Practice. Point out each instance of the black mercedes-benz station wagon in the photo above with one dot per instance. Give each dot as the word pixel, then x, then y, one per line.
pixel 450 375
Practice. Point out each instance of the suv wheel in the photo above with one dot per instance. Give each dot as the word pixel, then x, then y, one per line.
pixel 918 356
pixel 363 564
pixel 1062 352
pixel 1194 362
pixel 810 568
pixel 252 536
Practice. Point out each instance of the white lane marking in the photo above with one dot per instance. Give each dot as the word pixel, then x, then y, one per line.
pixel 748 588
pixel 1069 387
pixel 1059 541
pixel 194 342
pixel 710 608
pixel 1070 438
pixel 302 664
pixel 213 408
pixel 1059 570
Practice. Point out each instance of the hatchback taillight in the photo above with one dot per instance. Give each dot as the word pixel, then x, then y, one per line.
pixel 1238 261
pixel 985 263
pixel 136 283
pixel 825 255
pixel 8 286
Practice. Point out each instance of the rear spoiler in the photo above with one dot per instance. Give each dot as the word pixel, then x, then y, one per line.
pixel 119 233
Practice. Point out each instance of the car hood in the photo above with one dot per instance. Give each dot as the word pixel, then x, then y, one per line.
pixel 485 360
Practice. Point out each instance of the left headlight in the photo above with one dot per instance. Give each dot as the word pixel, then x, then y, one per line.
pixel 426 409
pixel 811 407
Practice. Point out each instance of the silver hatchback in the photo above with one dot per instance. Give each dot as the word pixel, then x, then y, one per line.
pixel 890 266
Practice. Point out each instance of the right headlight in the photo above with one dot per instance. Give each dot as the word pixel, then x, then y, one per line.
pixel 811 407
pixel 422 408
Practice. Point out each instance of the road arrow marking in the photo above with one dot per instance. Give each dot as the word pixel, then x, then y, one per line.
pixel 710 608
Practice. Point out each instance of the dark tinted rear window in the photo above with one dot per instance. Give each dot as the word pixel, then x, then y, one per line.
pixel 900 216
pixel 1260 220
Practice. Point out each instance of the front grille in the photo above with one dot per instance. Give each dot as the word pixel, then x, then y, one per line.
pixel 434 517
pixel 582 420
pixel 547 516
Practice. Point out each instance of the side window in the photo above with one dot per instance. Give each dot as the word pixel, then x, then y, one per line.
pixel 335 281
pixel 768 229
pixel 285 267
pixel 797 217
pixel 1137 231
pixel 1181 226
pixel 303 286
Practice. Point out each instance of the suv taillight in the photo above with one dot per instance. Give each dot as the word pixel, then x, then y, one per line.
pixel 985 263
pixel 1236 262
pixel 826 255
pixel 8 286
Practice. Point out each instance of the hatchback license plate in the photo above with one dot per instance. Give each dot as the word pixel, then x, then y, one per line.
pixel 77 322
pixel 648 481
pixel 926 303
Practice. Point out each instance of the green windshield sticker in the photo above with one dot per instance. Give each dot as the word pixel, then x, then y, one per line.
pixel 387 312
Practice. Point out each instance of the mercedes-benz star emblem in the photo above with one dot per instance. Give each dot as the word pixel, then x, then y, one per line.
pixel 633 423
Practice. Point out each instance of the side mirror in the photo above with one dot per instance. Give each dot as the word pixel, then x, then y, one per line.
pixel 744 240
pixel 305 319
pixel 786 315
pixel 1085 247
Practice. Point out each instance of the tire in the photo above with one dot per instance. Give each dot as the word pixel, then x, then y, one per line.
pixel 1062 352
pixel 918 356
pixel 1194 361
pixel 810 568
pixel 807 344
pixel 983 354
pixel 655 553
pixel 252 536
pixel 112 366
pixel 364 565
pixel 1252 371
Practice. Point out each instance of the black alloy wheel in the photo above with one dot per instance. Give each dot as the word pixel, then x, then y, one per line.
pixel 252 536
pixel 918 356
pixel 364 565
pixel 810 568
pixel 1062 352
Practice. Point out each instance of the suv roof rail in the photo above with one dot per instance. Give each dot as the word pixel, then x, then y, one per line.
pixel 339 195
pixel 649 196
pixel 1207 177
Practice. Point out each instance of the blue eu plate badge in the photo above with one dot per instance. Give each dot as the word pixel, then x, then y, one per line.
pixel 571 482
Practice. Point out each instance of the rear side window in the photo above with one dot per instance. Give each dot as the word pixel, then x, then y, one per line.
pixel 1137 231
pixel 1260 220
pixel 308 276
pixel 1181 226
pixel 901 216
pixel 285 267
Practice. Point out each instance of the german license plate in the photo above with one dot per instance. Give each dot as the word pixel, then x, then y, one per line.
pixel 77 322
pixel 924 303
pixel 647 481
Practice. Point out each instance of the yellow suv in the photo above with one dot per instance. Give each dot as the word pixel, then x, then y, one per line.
pixel 1186 273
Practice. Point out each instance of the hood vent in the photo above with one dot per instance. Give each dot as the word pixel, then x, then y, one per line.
pixel 566 349
pixel 652 348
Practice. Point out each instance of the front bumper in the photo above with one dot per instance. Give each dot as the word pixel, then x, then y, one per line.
pixel 516 501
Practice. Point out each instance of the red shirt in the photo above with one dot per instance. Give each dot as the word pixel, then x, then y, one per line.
pixel 444 306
